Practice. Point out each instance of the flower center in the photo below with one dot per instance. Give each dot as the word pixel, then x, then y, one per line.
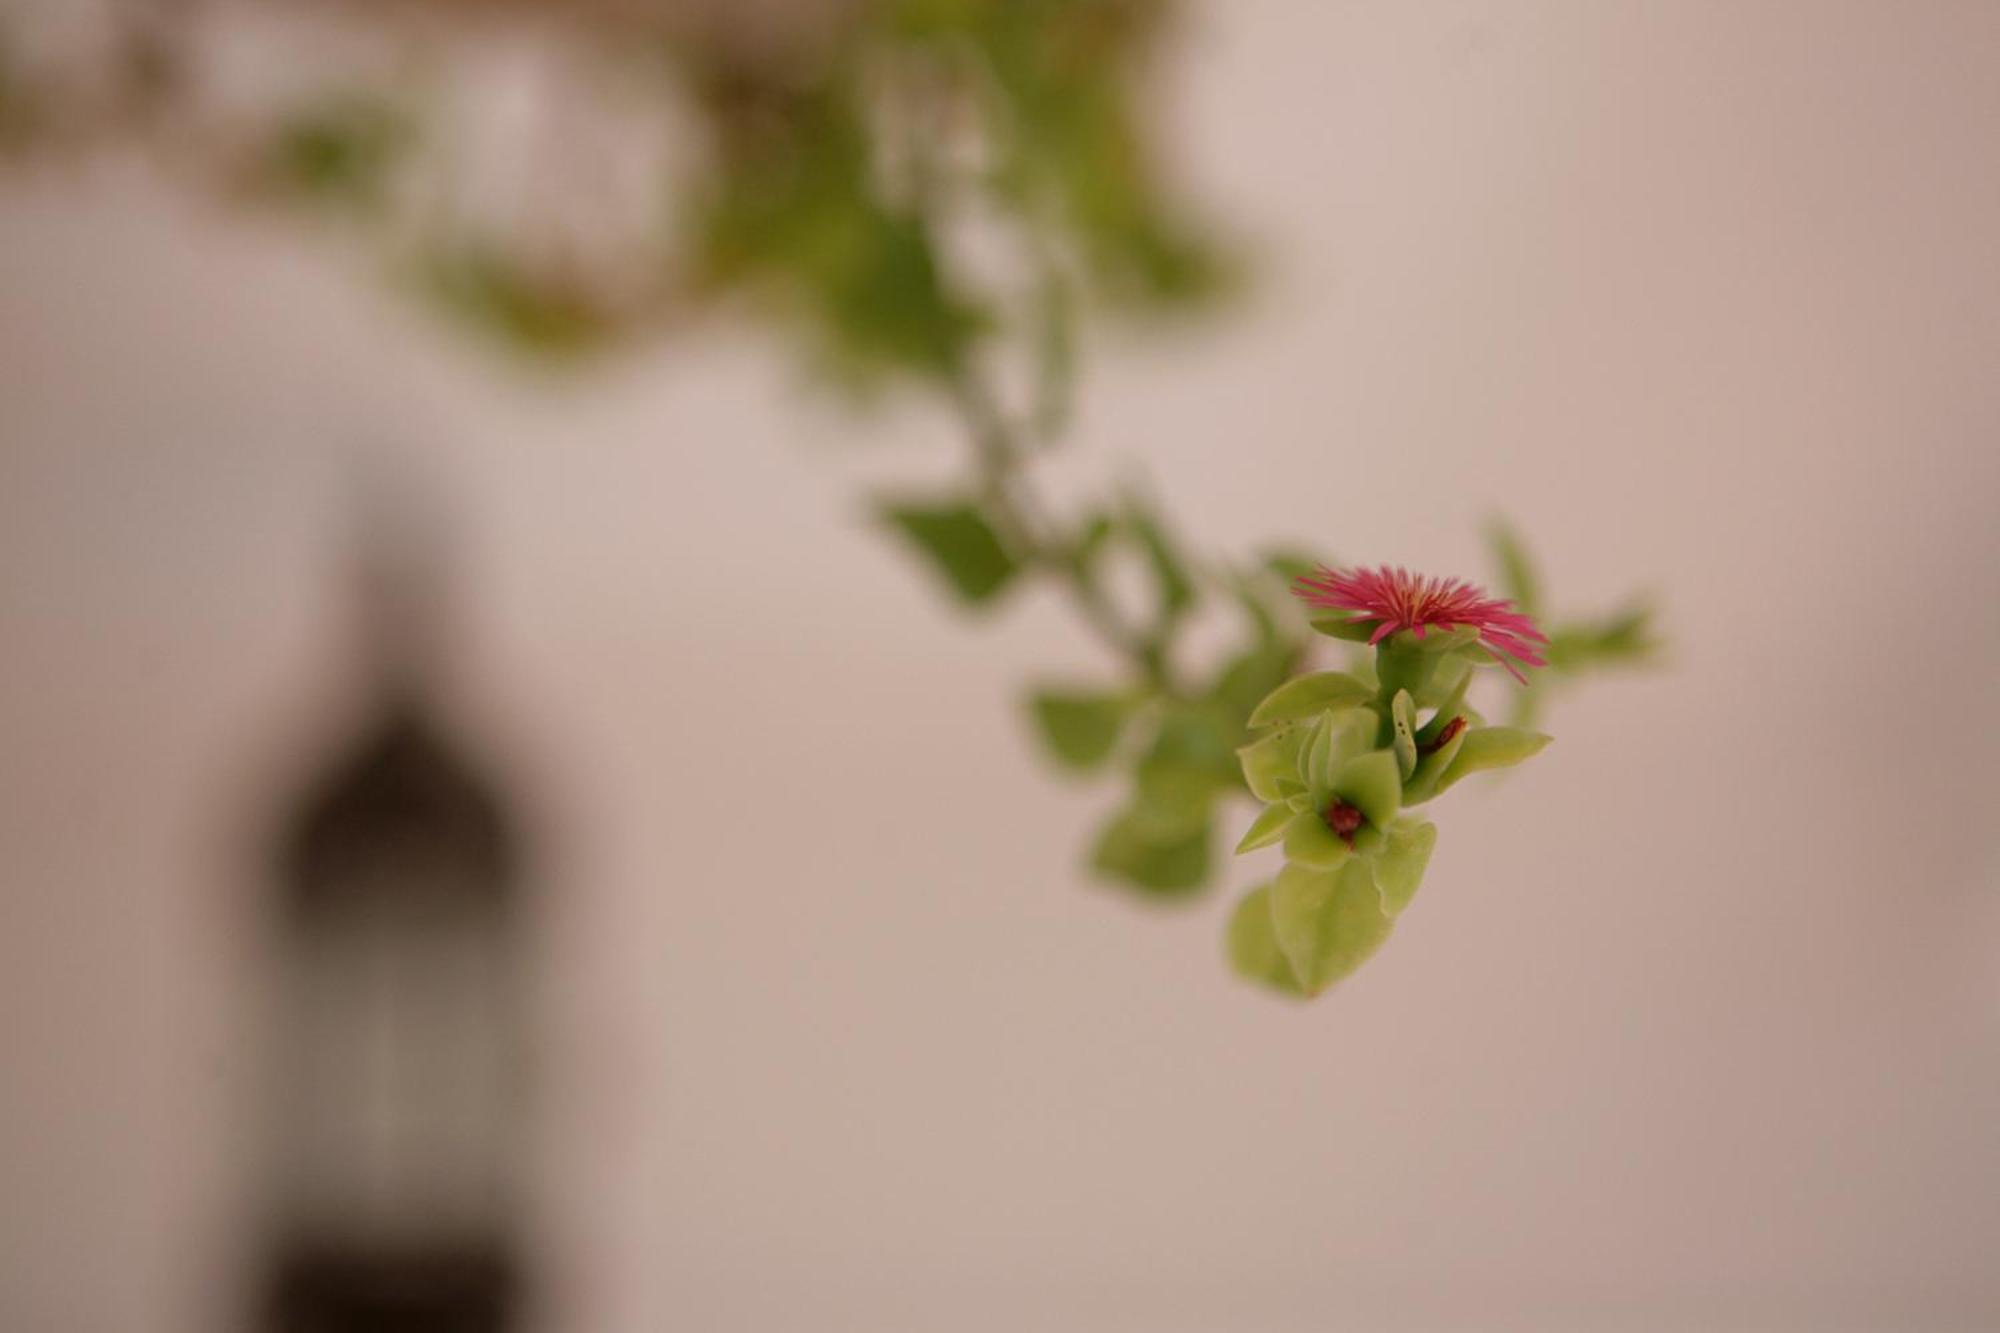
pixel 1343 819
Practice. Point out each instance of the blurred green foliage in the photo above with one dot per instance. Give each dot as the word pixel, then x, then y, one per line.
pixel 929 196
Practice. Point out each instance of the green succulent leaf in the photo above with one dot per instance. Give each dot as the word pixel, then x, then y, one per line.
pixel 1306 696
pixel 960 544
pixel 1423 784
pixel 1266 828
pixel 1080 728
pixel 1371 784
pixel 1253 947
pixel 1344 627
pixel 1399 866
pixel 1449 701
pixel 1271 765
pixel 1167 864
pixel 1317 759
pixel 1491 747
pixel 1403 730
pixel 1309 842
pixel 1327 922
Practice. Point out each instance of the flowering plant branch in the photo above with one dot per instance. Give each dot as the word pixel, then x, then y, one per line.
pixel 924 194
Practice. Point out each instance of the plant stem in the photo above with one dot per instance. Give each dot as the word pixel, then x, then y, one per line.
pixel 1038 539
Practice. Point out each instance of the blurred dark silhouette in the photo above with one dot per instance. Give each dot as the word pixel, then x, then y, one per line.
pixel 391 1199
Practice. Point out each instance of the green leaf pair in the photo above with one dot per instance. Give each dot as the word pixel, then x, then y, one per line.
pixel 1312 927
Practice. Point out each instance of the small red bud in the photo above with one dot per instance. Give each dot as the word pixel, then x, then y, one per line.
pixel 1343 819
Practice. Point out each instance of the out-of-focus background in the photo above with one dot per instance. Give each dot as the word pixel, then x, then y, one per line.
pixel 1696 1023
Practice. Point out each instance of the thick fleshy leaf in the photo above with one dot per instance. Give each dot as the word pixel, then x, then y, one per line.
pixel 1271 765
pixel 1491 747
pixel 1129 848
pixel 1308 696
pixel 1316 760
pixel 1403 732
pixel 1449 701
pixel 1344 627
pixel 1371 784
pixel 1309 842
pixel 1080 727
pixel 1253 947
pixel 1399 866
pixel 1327 922
pixel 1423 784
pixel 1265 829
pixel 961 545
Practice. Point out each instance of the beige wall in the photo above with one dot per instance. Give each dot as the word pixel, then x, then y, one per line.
pixel 1696 1024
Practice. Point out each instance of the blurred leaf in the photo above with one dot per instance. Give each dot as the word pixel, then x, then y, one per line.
pixel 796 210
pixel 1055 355
pixel 534 314
pixel 1327 922
pixel 1090 542
pixel 1519 581
pixel 1167 864
pixel 1175 588
pixel 1253 945
pixel 960 544
pixel 1188 765
pixel 1625 636
pixel 341 151
pixel 1250 677
pixel 1080 728
pixel 1306 696
pixel 1290 566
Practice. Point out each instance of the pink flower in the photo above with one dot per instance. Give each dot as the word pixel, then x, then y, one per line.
pixel 1401 600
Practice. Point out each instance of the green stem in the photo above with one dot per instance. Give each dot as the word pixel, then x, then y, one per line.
pixel 1037 538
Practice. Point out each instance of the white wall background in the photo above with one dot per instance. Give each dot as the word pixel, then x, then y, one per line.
pixel 1696 1023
